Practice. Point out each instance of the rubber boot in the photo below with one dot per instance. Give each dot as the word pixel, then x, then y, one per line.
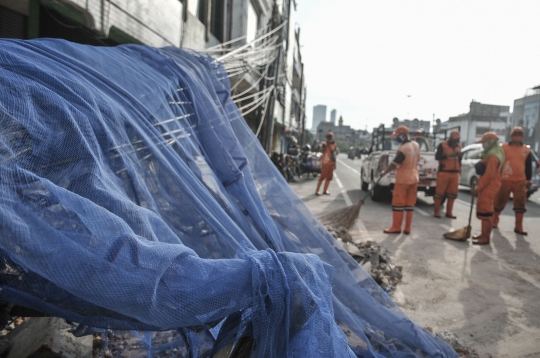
pixel 408 222
pixel 496 219
pixel 483 238
pixel 437 207
pixel 397 219
pixel 449 208
pixel 519 224
pixel 326 184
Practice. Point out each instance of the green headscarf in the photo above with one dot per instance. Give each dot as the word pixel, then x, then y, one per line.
pixel 493 148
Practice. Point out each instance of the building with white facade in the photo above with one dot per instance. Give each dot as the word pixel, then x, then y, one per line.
pixel 481 118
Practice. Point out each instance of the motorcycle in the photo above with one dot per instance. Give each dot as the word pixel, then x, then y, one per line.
pixel 310 163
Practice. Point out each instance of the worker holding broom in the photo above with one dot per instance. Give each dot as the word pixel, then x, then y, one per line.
pixel 449 156
pixel 328 160
pixel 406 165
pixel 516 177
pixel 488 184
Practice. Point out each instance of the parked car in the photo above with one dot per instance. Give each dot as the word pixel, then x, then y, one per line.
pixel 471 156
pixel 382 152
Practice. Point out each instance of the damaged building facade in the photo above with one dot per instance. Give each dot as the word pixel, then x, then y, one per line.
pixel 277 85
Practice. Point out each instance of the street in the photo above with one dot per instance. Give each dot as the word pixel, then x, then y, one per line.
pixel 488 296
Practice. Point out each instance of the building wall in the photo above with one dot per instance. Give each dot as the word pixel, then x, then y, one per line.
pixel 152 25
pixel 480 119
pixel 194 33
pixel 19 6
pixel 413 124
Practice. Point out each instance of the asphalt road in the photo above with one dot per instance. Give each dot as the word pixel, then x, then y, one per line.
pixel 489 296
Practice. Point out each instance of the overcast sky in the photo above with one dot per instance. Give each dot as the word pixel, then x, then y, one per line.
pixel 366 57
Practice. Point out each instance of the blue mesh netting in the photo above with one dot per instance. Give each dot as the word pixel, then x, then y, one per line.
pixel 133 196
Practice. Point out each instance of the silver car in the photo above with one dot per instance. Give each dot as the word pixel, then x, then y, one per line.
pixel 471 156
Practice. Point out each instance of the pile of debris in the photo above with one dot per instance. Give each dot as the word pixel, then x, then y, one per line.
pixel 372 257
pixel 452 339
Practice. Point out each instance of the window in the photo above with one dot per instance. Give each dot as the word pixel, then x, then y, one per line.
pixel 212 14
pixel 252 23
pixel 217 25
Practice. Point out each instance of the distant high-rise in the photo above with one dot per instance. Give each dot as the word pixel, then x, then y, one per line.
pixel 333 114
pixel 319 115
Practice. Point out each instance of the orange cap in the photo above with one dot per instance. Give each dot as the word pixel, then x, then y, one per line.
pixel 454 134
pixel 400 130
pixel 517 130
pixel 488 135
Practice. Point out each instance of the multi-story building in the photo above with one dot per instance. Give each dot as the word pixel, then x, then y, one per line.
pixel 412 124
pixel 527 115
pixel 344 135
pixel 319 115
pixel 481 118
pixel 202 25
pixel 333 114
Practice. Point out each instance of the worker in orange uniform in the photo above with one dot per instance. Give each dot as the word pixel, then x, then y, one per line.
pixel 328 161
pixel 516 177
pixel 449 156
pixel 405 164
pixel 489 169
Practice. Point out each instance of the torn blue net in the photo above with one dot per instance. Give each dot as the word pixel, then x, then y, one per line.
pixel 133 196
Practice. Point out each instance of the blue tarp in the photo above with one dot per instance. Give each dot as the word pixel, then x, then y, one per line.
pixel 133 196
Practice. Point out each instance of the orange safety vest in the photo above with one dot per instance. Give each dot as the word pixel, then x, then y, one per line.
pixel 450 164
pixel 515 156
pixel 407 171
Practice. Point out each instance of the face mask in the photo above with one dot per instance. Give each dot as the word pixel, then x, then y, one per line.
pixel 485 145
pixel 399 139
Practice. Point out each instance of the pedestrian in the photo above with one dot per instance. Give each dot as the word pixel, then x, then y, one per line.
pixel 516 177
pixel 405 164
pixel 276 159
pixel 328 161
pixel 489 170
pixel 449 156
pixel 293 150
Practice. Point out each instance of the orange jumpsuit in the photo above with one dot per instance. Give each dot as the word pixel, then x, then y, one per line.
pixel 449 170
pixel 488 186
pixel 515 172
pixel 327 165
pixel 405 189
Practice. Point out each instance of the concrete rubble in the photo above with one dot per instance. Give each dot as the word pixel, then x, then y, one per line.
pixel 372 257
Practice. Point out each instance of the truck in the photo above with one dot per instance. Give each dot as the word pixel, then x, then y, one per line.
pixel 381 153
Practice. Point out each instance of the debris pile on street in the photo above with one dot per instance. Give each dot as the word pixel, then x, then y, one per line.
pixel 373 258
pixel 452 339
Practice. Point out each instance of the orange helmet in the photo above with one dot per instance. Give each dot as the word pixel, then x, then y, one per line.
pixel 516 130
pixel 400 130
pixel 454 134
pixel 488 135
